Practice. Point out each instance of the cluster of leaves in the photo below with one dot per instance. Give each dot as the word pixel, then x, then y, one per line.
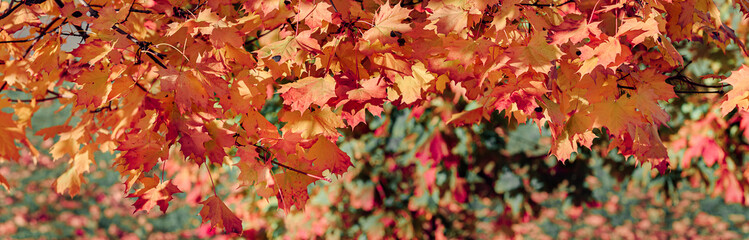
pixel 467 197
pixel 587 70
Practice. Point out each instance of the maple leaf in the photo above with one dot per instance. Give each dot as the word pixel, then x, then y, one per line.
pixel 325 155
pixel 647 145
pixel 469 117
pixel 537 55
pixel 257 127
pixel 221 138
pixel 647 104
pixel 411 87
pixel 286 48
pixel 141 150
pixel 734 191
pixel 609 53
pixel 451 18
pixel 254 172
pixel 311 123
pixel 10 132
pixel 306 91
pixel 575 31
pixel 388 19
pixel 373 88
pixel 153 193
pixel 92 52
pixel 637 31
pixel 707 148
pixel 95 85
pixel 221 36
pixel 72 178
pixel 187 88
pixel 292 189
pixel 15 72
pixel 393 65
pixel 739 95
pixel 107 17
pixel 508 12
pixel 315 14
pixel 613 115
pixel 216 211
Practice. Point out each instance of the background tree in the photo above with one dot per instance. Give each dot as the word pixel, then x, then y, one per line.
pixel 268 87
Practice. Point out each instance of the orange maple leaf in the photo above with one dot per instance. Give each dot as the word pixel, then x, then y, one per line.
pixel 388 19
pixel 451 18
pixel 154 193
pixel 537 55
pixel 10 132
pixel 327 156
pixel 739 95
pixel 292 189
pixel 306 91
pixel 216 211
pixel 72 178
pixel 311 123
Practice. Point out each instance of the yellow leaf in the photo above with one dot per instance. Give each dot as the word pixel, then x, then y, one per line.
pixel 387 20
pixel 311 123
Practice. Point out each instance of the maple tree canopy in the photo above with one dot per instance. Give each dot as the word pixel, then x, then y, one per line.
pixel 156 81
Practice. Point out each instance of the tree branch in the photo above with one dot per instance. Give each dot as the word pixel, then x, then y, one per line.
pixel 267 157
pixel 626 87
pixel 101 109
pixel 41 34
pixel 130 10
pixel 547 5
pixel 44 32
pixel 690 82
pixel 292 169
pixel 35 100
pixel 685 91
pixel 10 10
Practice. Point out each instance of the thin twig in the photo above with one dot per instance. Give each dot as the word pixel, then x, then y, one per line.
pixel 130 10
pixel 626 87
pixel 300 172
pixel 108 108
pixel 163 168
pixel 267 156
pixel 685 91
pixel 35 100
pixel 42 33
pixel 547 5
pixel 691 82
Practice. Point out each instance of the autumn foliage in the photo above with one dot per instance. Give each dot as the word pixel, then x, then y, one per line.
pixel 161 82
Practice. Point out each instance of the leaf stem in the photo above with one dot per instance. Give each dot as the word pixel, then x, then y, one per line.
pixel 213 184
pixel 300 172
